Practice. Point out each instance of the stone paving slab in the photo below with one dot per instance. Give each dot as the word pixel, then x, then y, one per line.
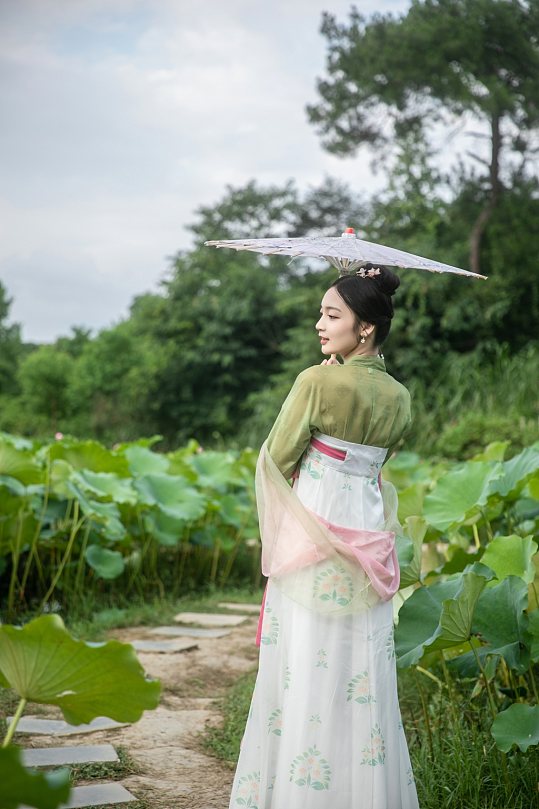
pixel 209 619
pixel 251 608
pixel 96 795
pixel 71 754
pixel 189 632
pixel 164 646
pixel 57 727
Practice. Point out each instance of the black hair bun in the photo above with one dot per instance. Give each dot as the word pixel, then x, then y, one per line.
pixel 387 280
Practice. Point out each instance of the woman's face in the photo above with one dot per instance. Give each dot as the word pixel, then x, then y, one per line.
pixel 337 327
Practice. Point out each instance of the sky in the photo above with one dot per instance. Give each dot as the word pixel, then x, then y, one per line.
pixel 121 117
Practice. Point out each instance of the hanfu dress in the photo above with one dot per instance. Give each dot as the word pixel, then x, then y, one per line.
pixel 324 729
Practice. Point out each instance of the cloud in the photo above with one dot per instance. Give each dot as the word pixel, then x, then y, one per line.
pixel 121 117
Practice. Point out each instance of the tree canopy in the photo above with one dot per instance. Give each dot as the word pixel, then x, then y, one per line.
pixel 389 75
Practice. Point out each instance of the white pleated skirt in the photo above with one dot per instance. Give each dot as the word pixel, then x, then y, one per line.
pixel 324 729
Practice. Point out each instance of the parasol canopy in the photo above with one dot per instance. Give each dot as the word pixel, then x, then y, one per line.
pixel 346 253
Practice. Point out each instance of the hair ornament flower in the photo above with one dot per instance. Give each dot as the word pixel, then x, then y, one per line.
pixel 368 273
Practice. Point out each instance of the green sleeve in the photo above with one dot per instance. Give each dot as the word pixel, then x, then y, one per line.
pixel 297 420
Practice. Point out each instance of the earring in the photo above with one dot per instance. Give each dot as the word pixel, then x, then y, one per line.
pixel 362 339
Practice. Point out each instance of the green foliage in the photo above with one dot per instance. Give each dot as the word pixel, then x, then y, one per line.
pixel 519 725
pixel 476 604
pixel 44 664
pixel 21 786
pixel 79 519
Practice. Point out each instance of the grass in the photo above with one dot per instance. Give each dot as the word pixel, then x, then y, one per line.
pixel 224 742
pixel 108 770
pixel 93 623
pixel 463 770
pixel 458 765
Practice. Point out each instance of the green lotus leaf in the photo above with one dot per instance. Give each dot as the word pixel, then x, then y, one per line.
pixel 455 625
pixel 89 455
pixel 511 556
pixel 459 493
pixel 418 619
pixel 404 469
pixel 533 628
pixel 60 475
pixel 439 616
pixel 22 786
pixel 106 563
pixel 533 487
pixel 18 441
pixel 518 724
pixel 19 463
pixel 459 560
pixel 44 664
pixel 492 452
pixel 172 495
pixel 13 485
pixel 233 509
pixel 502 623
pixel 216 470
pixel 107 514
pixel 411 500
pixel 167 530
pixel 516 473
pixel 139 442
pixel 107 484
pixel 410 570
pixel 142 461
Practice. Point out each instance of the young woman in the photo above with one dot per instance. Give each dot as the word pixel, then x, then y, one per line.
pixel 324 729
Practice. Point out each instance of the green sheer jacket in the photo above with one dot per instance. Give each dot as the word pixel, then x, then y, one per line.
pixel 358 401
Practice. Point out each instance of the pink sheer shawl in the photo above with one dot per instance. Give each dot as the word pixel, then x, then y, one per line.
pixel 325 567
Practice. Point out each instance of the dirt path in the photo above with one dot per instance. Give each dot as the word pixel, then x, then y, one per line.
pixel 175 773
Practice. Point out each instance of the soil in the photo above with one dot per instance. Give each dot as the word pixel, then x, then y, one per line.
pixel 174 771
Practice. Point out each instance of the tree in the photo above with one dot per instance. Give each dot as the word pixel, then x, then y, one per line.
pixel 10 346
pixel 442 59
pixel 44 376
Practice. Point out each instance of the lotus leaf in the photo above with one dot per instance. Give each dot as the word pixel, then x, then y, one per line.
pixel 533 487
pixel 519 725
pixel 106 513
pixel 511 556
pixel 533 627
pixel 457 612
pixel 19 463
pixel 89 455
pixel 418 619
pixel 13 485
pixel 107 484
pixel 167 530
pixel 172 495
pixel 438 616
pixel 17 441
pixel 410 570
pixel 459 493
pixel 516 473
pixel 216 470
pixel 404 469
pixel 501 621
pixel 492 452
pixel 411 500
pixel 459 560
pixel 21 786
pixel 233 510
pixel 142 461
pixel 44 664
pixel 106 563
